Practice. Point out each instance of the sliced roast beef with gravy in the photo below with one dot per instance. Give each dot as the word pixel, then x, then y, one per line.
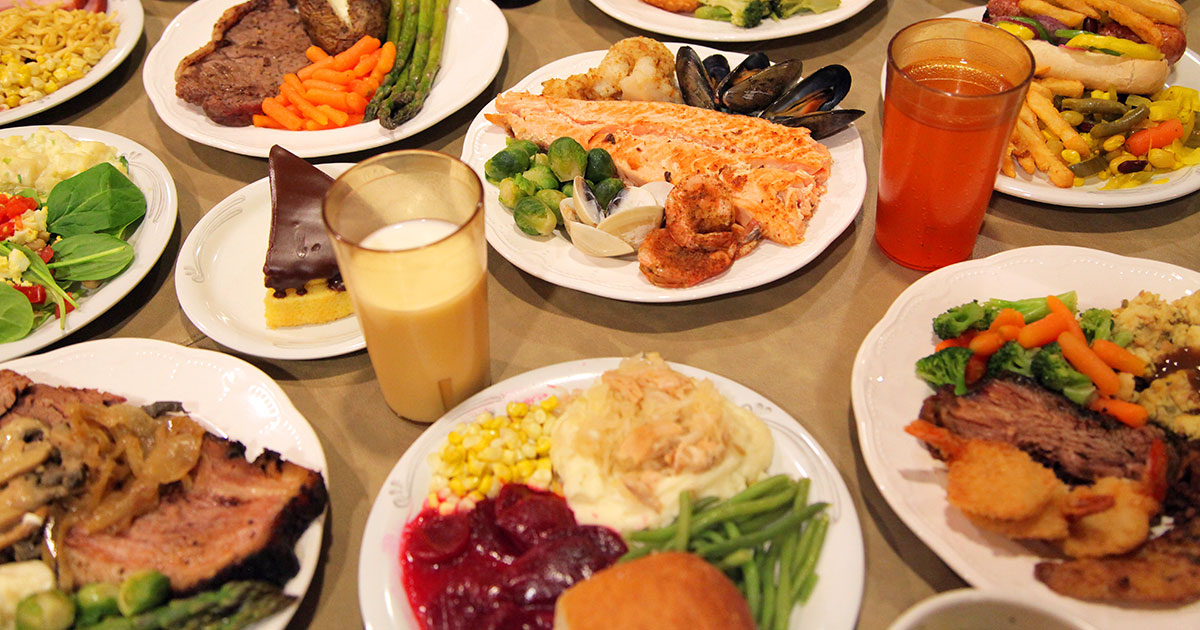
pixel 253 45
pixel 1078 443
pixel 11 385
pixel 235 520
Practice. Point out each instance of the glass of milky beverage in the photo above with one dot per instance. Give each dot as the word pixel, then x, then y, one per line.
pixel 407 229
pixel 954 90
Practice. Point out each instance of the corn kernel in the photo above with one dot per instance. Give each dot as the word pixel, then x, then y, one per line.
pixel 509 457
pixel 1078 181
pixel 475 496
pixel 1070 156
pixel 529 451
pixel 485 484
pixel 456 486
pixel 466 504
pixel 524 468
pixel 433 500
pixel 543 446
pixel 1072 117
pixel 454 438
pixel 446 509
pixel 543 463
pixel 475 466
pixel 517 409
pixel 502 472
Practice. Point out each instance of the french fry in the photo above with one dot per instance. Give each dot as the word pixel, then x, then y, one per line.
pixel 1070 88
pixel 1158 11
pixel 1027 116
pixel 1072 19
pixel 1080 6
pixel 1006 162
pixel 1045 110
pixel 1141 25
pixel 1027 163
pixel 1045 159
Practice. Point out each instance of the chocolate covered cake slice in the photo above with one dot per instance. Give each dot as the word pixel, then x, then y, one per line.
pixel 304 285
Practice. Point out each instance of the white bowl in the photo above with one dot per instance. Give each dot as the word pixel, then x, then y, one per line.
pixel 971 609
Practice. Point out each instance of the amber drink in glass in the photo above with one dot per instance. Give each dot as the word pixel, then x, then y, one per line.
pixel 407 229
pixel 954 89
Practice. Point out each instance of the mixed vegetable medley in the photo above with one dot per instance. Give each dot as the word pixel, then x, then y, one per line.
pixel 1081 355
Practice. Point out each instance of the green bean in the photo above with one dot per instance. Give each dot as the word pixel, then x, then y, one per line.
pixel 735 559
pixel 713 537
pixel 723 511
pixel 637 552
pixel 770 592
pixel 802 487
pixel 699 505
pixel 806 588
pixel 783 601
pixel 753 587
pixel 808 564
pixel 1124 124
pixel 679 542
pixel 754 523
pixel 1100 106
pixel 757 538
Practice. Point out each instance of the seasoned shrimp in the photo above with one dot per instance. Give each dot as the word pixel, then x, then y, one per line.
pixel 668 264
pixel 699 214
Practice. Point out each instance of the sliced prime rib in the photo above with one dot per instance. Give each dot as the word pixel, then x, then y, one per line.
pixel 236 520
pixel 253 45
pixel 1080 445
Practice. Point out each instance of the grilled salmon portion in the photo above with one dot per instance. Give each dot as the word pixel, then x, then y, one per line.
pixel 775 174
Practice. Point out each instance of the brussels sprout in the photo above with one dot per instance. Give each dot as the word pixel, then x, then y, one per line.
pixel 506 163
pixel 600 165
pixel 525 185
pixel 542 177
pixel 540 159
pixel 534 217
pixel 96 601
pixel 552 198
pixel 568 189
pixel 567 159
pixel 510 193
pixel 606 189
pixel 47 610
pixel 142 591
pixel 524 146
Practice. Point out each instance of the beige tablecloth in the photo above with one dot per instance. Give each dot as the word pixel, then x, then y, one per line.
pixel 792 340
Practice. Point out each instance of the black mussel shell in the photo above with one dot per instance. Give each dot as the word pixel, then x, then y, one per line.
pixel 750 65
pixel 761 89
pixel 821 124
pixel 717 67
pixel 820 91
pixel 694 84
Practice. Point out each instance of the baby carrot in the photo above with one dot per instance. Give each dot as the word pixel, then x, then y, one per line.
pixel 1082 358
pixel 1056 306
pixel 308 109
pixel 986 343
pixel 1007 317
pixel 261 120
pixel 314 84
pixel 337 117
pixel 1119 358
pixel 315 53
pixel 272 108
pixel 332 76
pixel 294 81
pixel 364 87
pixel 1009 331
pixel 387 59
pixel 307 71
pixel 349 57
pixel 1042 332
pixel 355 103
pixel 365 64
pixel 1129 413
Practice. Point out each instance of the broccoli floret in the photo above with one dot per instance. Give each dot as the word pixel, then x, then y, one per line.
pixel 1011 357
pixel 743 13
pixel 947 366
pixel 1098 323
pixel 1033 308
pixel 1051 369
pixel 788 8
pixel 957 320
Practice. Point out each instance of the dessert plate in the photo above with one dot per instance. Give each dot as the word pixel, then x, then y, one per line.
pixel 229 396
pixel 127 13
pixel 148 240
pixel 834 604
pixel 476 36
pixel 887 395
pixel 556 260
pixel 223 294
pixel 642 15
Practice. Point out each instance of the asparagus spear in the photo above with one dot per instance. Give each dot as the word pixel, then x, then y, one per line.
pixel 401 92
pixel 234 605
pixel 404 46
pixel 434 62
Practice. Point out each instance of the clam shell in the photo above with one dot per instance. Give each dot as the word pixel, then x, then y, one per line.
pixel 586 207
pixel 631 225
pixel 596 242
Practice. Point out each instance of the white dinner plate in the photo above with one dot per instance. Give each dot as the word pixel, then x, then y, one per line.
pixel 887 395
pixel 642 15
pixel 1037 187
pixel 148 241
pixel 834 604
pixel 232 398
pixel 219 282
pixel 128 14
pixel 476 37
pixel 556 260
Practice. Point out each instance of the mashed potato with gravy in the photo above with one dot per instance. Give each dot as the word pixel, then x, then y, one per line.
pixel 631 443
pixel 45 157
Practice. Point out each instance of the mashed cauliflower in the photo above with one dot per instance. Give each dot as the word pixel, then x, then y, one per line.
pixel 627 447
pixel 45 157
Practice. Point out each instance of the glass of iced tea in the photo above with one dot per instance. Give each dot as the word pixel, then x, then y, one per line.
pixel 407 229
pixel 954 90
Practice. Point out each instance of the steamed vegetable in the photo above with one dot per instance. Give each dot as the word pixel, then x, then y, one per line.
pixel 956 320
pixel 743 13
pixel 946 367
pixel 1053 370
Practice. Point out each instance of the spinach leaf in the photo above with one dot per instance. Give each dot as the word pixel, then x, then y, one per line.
pixel 39 273
pixel 100 199
pixel 90 257
pixel 16 314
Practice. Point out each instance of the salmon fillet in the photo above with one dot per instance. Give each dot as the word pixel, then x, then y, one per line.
pixel 775 174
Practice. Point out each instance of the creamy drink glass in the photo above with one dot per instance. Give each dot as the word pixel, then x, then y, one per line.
pixel 407 229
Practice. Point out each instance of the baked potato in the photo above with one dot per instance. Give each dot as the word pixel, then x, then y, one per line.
pixel 335 25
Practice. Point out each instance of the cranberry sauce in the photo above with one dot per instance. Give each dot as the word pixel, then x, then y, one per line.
pixel 502 565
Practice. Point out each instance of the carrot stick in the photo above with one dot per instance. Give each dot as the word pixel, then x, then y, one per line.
pixel 1081 357
pixel 387 59
pixel 314 84
pixel 337 118
pixel 315 53
pixel 1009 331
pixel 1129 413
pixel 364 87
pixel 266 121
pixel 349 57
pixel 307 71
pixel 365 65
pixel 308 109
pixel 1056 306
pixel 272 108
pixel 294 81
pixel 282 100
pixel 1007 317
pixel 355 103
pixel 332 76
pixel 954 342
pixel 1119 358
pixel 336 100
pixel 1042 332
pixel 986 343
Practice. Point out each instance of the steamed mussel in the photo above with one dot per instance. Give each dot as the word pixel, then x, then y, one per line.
pixel 776 92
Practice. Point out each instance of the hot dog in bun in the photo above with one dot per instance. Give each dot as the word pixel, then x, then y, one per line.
pixel 1122 45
